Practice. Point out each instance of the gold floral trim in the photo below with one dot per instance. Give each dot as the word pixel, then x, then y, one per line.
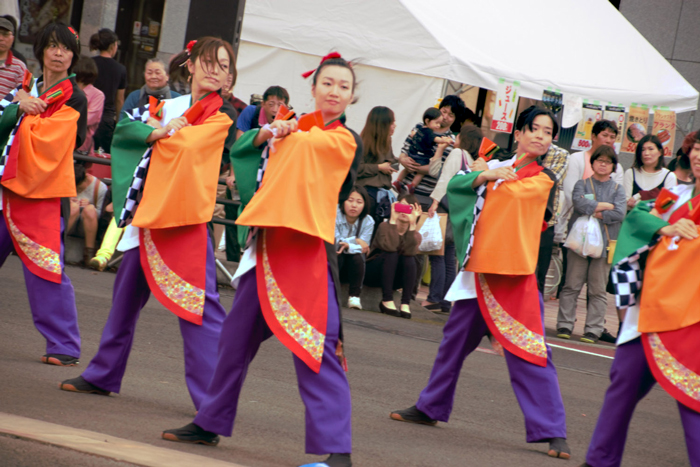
pixel 182 293
pixel 684 379
pixel 509 327
pixel 43 257
pixel 291 320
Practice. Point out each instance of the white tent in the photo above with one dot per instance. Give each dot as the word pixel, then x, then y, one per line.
pixel 408 48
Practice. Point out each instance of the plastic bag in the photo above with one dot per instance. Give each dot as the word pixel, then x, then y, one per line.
pixel 431 234
pixel 585 238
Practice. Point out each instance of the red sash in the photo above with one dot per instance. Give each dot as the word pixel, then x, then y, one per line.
pixel 510 306
pixel 35 229
pixel 288 262
pixel 174 263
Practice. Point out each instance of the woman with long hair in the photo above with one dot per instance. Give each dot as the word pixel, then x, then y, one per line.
pixel 165 172
pixel 111 80
pixel 45 122
pixel 292 217
pixel 377 159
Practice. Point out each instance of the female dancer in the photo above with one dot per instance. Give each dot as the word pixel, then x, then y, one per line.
pixel 45 122
pixel 186 137
pixel 497 290
pixel 660 335
pixel 293 214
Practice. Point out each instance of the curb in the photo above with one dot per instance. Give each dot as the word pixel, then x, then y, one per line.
pixel 102 445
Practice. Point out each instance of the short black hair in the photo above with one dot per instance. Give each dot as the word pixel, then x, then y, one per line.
pixel 56 32
pixel 80 173
pixel 276 91
pixel 528 116
pixel 457 107
pixel 365 197
pixel 410 198
pixel 638 162
pixel 605 151
pixel 85 70
pixel 430 114
pixel 602 125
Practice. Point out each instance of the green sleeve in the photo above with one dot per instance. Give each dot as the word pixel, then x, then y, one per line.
pixel 461 199
pixel 8 120
pixel 128 146
pixel 637 230
pixel 245 159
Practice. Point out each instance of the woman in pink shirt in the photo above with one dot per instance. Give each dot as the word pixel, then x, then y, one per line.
pixel 86 74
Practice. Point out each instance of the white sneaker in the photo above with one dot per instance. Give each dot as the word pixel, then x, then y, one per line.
pixel 354 302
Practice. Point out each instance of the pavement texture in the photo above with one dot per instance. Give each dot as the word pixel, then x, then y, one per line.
pixel 389 363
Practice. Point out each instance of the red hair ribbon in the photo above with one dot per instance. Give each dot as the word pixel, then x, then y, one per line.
pixel 327 57
pixel 190 44
pixel 77 38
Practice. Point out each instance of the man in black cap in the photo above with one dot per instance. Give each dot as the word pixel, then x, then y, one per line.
pixel 11 69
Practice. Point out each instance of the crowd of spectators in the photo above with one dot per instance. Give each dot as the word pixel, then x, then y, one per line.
pixel 376 245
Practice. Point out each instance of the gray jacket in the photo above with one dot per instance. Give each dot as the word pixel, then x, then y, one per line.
pixel 605 192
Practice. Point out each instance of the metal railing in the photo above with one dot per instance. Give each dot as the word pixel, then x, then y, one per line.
pixel 214 220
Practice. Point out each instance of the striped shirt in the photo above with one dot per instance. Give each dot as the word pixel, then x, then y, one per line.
pixel 11 74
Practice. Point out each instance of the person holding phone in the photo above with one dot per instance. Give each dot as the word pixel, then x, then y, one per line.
pixel 498 210
pixel 177 148
pixel 391 264
pixel 291 216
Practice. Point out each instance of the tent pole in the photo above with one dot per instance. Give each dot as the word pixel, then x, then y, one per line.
pixel 691 121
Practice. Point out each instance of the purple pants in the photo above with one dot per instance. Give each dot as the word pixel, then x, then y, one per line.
pixel 129 296
pixel 630 381
pixel 535 387
pixel 326 394
pixel 52 304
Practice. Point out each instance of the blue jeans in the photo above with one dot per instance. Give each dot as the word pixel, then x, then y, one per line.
pixel 442 274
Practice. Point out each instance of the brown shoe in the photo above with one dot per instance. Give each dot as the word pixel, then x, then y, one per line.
pixel 88 254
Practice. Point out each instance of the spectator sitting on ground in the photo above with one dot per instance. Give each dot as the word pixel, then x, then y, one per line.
pixel 648 175
pixel 353 235
pixel 603 198
pixel 86 74
pixel 156 85
pixel 85 209
pixel 179 76
pixel 376 168
pixel 11 69
pixel 264 113
pixel 391 264
pixel 422 148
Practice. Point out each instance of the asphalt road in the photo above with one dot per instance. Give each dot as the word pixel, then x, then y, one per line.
pixel 389 362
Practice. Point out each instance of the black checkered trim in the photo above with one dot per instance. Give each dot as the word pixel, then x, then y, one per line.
pixel 7 101
pixel 135 191
pixel 627 277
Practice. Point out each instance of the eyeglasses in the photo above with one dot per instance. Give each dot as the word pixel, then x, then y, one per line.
pixel 604 161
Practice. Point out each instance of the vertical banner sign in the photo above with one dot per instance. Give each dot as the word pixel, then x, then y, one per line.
pixel 665 129
pixel 506 106
pixel 591 114
pixel 616 114
pixel 637 124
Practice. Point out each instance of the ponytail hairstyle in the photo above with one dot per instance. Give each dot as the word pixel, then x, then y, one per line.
pixel 332 59
pixel 103 39
pixel 375 135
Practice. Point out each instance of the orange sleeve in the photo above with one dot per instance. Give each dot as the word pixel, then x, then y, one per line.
pixel 45 161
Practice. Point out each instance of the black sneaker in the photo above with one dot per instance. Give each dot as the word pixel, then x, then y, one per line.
pixel 590 338
pixel 563 333
pixel 80 385
pixel 192 434
pixel 59 359
pixel 334 460
pixel 559 448
pixel 607 337
pixel 412 415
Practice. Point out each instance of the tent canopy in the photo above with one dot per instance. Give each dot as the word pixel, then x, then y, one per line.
pixel 584 48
